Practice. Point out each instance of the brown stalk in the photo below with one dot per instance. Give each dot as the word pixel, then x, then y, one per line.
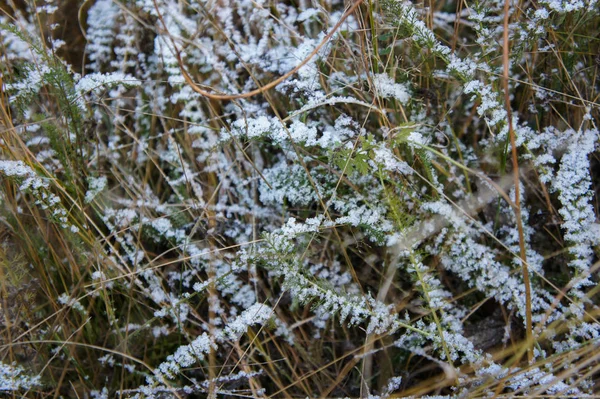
pixel 517 203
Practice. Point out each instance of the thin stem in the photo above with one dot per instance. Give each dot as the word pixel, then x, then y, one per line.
pixel 517 202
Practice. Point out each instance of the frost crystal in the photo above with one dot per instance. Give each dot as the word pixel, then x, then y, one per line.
pixel 573 183
pixel 13 378
pixel 386 87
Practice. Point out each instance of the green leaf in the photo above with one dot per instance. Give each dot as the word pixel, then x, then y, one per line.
pixel 402 132
pixel 385 36
pixel 361 163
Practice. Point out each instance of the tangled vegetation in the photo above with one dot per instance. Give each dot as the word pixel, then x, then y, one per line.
pixel 234 198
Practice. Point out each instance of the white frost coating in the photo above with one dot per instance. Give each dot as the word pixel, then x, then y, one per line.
pixel 97 81
pixel 95 186
pixel 13 46
pixel 264 183
pixel 31 84
pixel 38 186
pixel 315 103
pixel 13 378
pixel 301 133
pixel 185 356
pixel 386 88
pixel 18 169
pixel 65 299
pixel 255 314
pixel 95 394
pixel 102 17
pixel 385 158
pixel 567 6
pixel 573 182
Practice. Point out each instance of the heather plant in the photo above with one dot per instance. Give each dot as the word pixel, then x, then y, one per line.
pixel 299 199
